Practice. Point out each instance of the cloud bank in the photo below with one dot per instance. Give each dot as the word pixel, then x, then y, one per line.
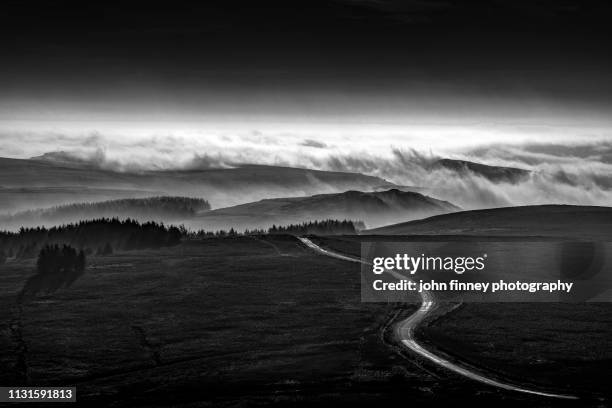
pixel 566 170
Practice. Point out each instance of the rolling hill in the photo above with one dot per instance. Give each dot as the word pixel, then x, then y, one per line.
pixel 28 184
pixel 562 221
pixel 373 208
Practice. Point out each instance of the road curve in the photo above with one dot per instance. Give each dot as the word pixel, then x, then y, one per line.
pixel 404 330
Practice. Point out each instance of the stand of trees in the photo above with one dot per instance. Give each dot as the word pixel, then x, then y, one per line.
pixel 106 250
pixel 56 267
pixel 324 227
pixel 53 259
pixel 105 235
pixel 92 235
pixel 203 234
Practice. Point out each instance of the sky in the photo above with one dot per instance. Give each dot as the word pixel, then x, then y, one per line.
pixel 155 85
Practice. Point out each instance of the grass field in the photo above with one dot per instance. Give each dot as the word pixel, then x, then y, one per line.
pixel 232 322
pixel 218 321
pixel 565 346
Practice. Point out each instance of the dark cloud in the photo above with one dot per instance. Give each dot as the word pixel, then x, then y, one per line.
pixel 145 53
pixel 313 143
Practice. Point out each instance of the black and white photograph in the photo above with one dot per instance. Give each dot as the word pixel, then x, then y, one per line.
pixel 358 203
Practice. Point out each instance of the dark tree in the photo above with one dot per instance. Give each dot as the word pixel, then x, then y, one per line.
pixel 53 259
pixel 57 267
pixel 107 250
pixel 80 262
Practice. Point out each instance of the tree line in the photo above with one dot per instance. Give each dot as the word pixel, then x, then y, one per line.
pixel 100 236
pixel 322 227
pixel 53 259
pixel 105 235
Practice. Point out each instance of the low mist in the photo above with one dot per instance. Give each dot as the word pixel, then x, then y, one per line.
pixel 211 167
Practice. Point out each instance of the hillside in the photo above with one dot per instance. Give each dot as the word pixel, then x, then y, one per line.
pixel 162 209
pixel 28 184
pixel 373 208
pixel 563 221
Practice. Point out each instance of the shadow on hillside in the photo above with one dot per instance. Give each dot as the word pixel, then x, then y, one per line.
pixel 47 283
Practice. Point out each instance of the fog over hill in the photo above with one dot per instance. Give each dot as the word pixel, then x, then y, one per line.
pixel 28 184
pixel 373 208
pixel 480 176
pixel 161 209
pixel 499 176
pixel 486 177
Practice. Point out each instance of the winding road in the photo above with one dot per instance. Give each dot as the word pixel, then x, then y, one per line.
pixel 404 330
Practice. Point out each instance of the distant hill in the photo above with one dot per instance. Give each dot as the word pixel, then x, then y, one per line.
pixel 161 209
pixel 17 199
pixel 373 208
pixel 65 159
pixel 35 182
pixel 563 221
pixel 494 173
